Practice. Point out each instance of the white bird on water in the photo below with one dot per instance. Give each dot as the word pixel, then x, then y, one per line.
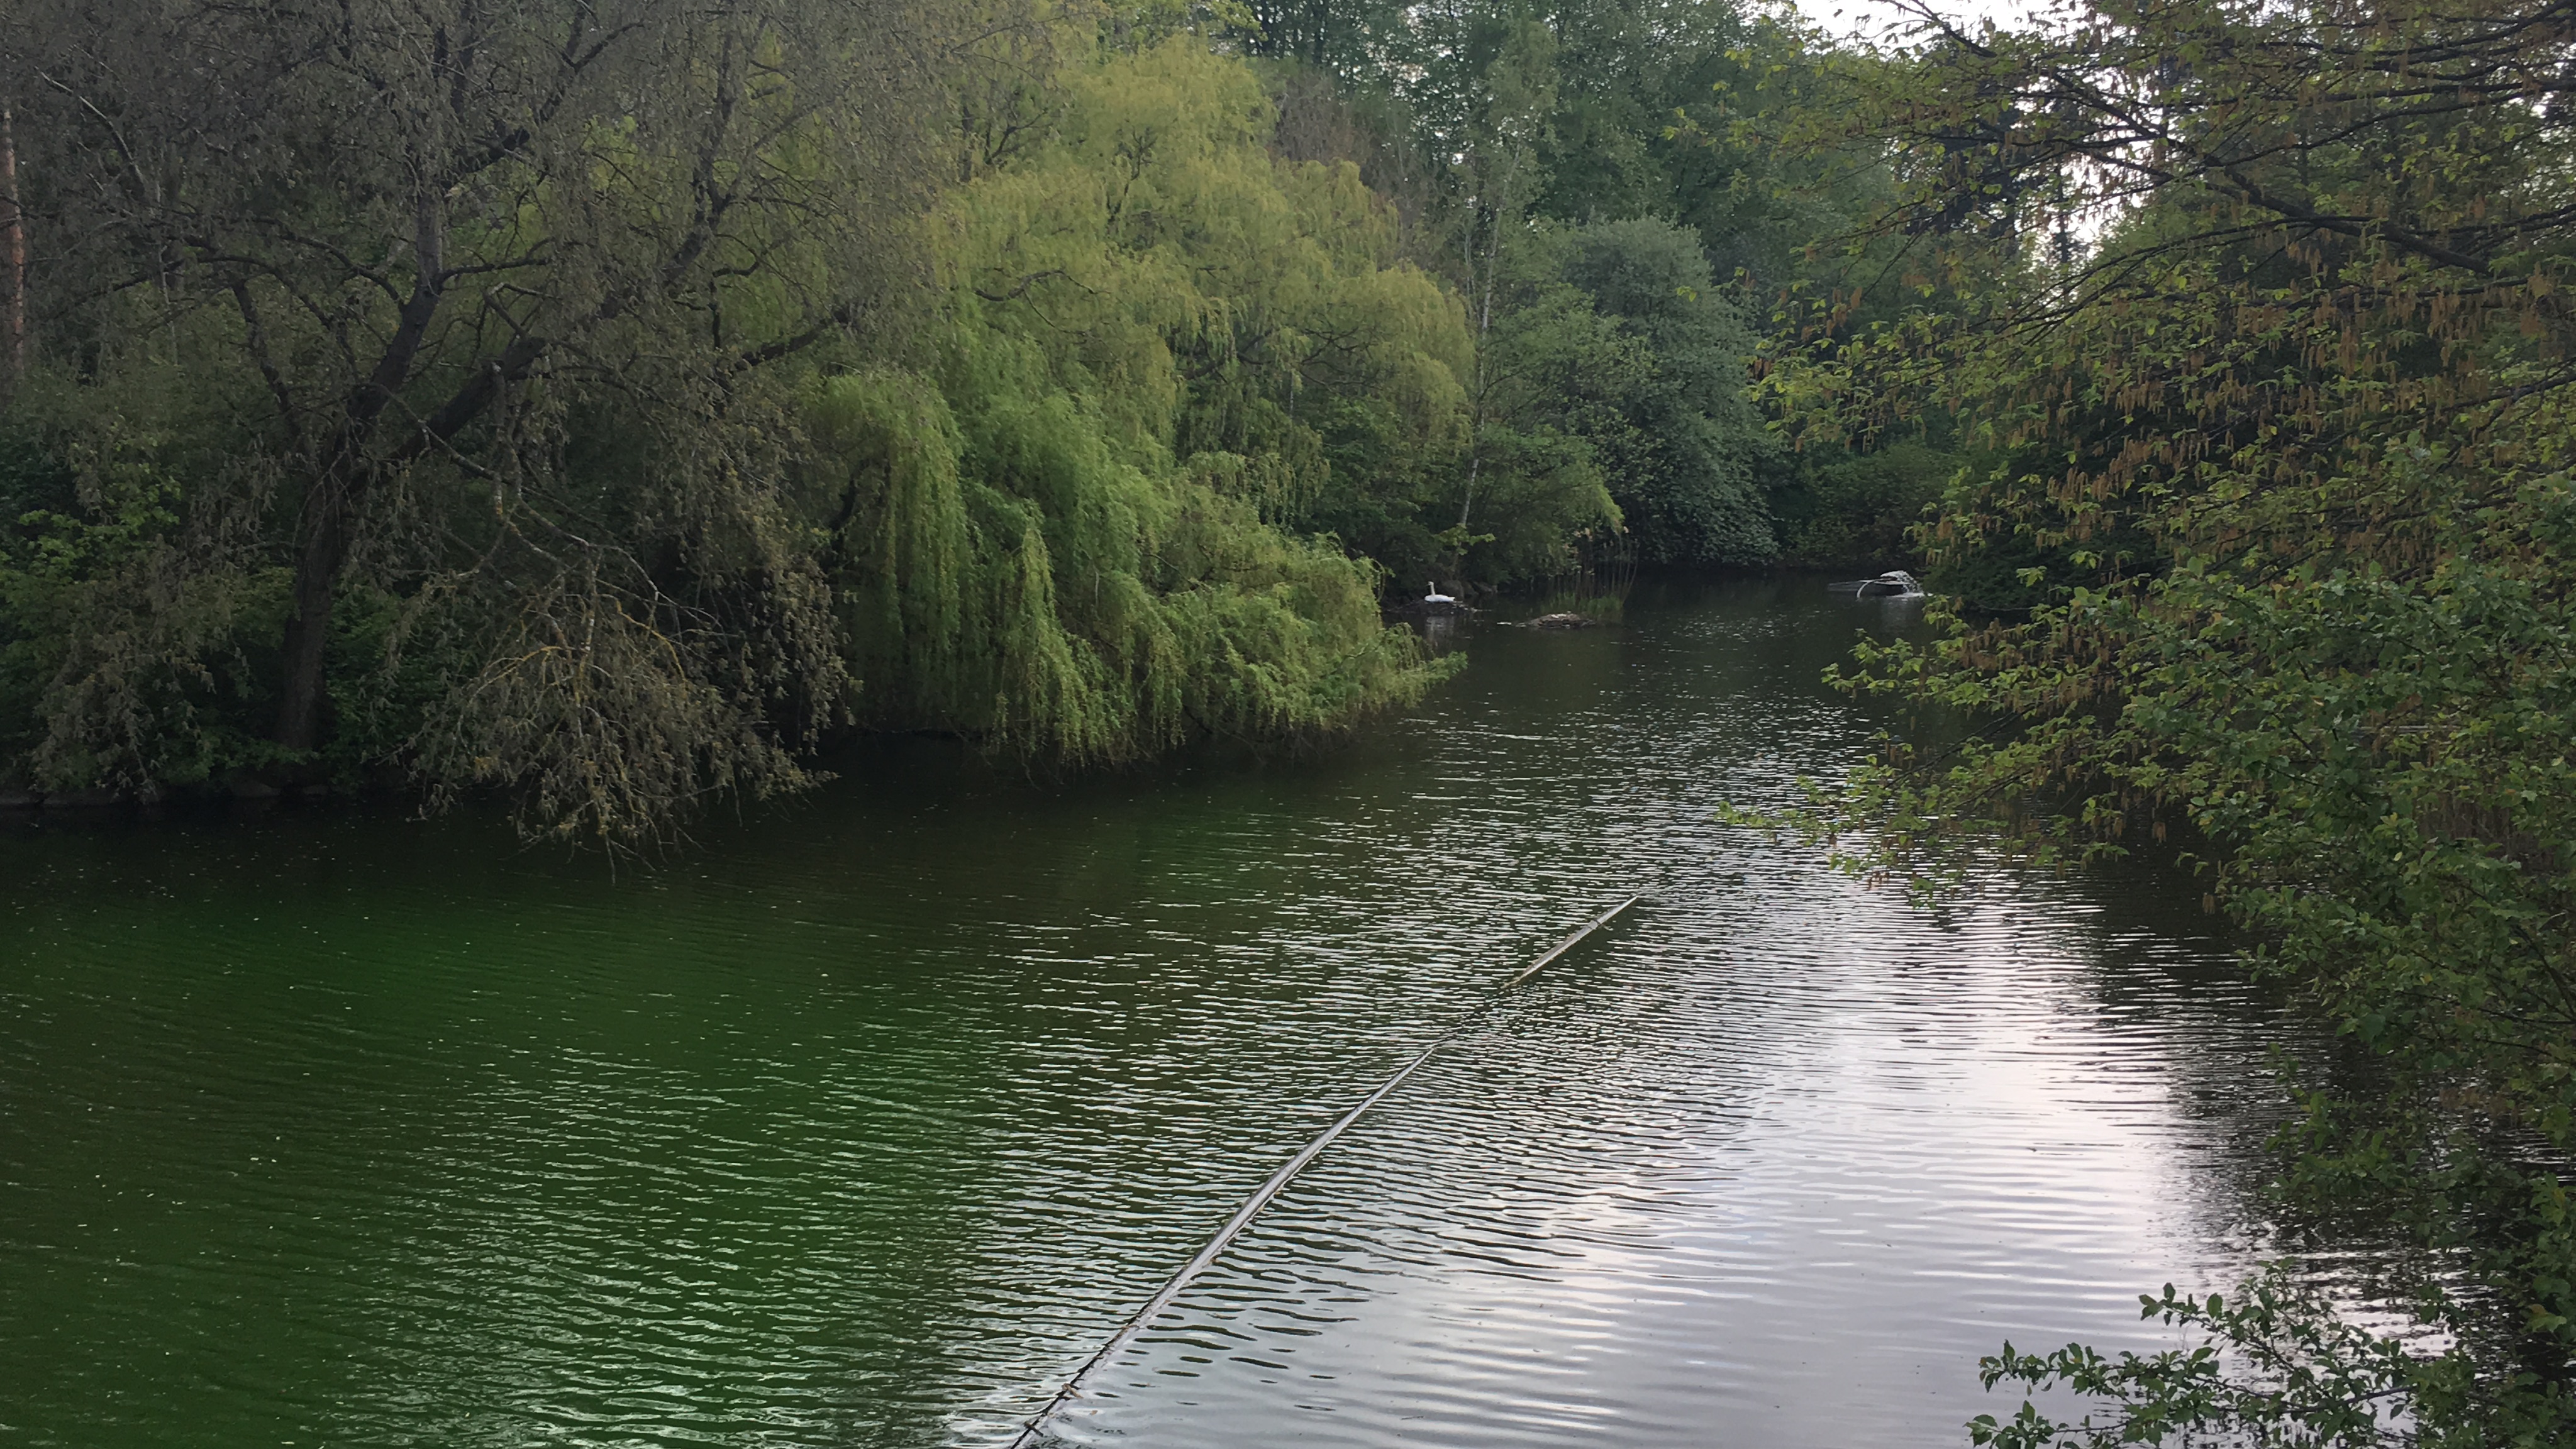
pixel 1437 597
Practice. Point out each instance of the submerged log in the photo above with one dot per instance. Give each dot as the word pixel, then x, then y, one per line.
pixel 1034 1431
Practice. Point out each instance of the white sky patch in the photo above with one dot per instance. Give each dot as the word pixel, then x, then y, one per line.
pixel 1878 20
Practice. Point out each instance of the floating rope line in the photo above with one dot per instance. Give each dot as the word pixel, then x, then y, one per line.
pixel 1172 1288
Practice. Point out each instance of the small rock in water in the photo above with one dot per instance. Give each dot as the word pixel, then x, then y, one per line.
pixel 1560 621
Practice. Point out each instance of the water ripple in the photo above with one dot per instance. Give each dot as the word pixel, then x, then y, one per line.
pixel 869 1122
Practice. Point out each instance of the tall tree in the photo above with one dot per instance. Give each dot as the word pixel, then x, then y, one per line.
pixel 439 240
pixel 2283 474
pixel 1689 460
pixel 1052 533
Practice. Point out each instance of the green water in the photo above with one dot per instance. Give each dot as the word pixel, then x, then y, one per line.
pixel 869 1117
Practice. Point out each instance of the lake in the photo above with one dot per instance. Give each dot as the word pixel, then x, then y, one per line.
pixel 865 1119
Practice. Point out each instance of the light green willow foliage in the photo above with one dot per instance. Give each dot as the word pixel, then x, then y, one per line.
pixel 1157 247
pixel 1022 551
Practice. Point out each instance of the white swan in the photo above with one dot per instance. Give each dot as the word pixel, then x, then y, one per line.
pixel 1437 597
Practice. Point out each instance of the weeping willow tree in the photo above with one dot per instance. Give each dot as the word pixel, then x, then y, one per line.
pixel 1050 531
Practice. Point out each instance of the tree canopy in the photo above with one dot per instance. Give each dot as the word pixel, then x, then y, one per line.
pixel 2258 316
pixel 611 403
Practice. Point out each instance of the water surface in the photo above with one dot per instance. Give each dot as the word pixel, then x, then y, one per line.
pixel 867 1121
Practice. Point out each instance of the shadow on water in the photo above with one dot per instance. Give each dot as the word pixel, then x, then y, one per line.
pixel 866 1120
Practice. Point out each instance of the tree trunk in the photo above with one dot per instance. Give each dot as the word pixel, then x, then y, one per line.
pixel 331 504
pixel 1476 417
pixel 13 242
pixel 308 630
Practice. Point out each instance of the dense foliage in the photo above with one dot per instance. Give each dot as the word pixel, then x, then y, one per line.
pixel 417 384
pixel 1630 156
pixel 2261 314
pixel 613 402
pixel 1051 532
